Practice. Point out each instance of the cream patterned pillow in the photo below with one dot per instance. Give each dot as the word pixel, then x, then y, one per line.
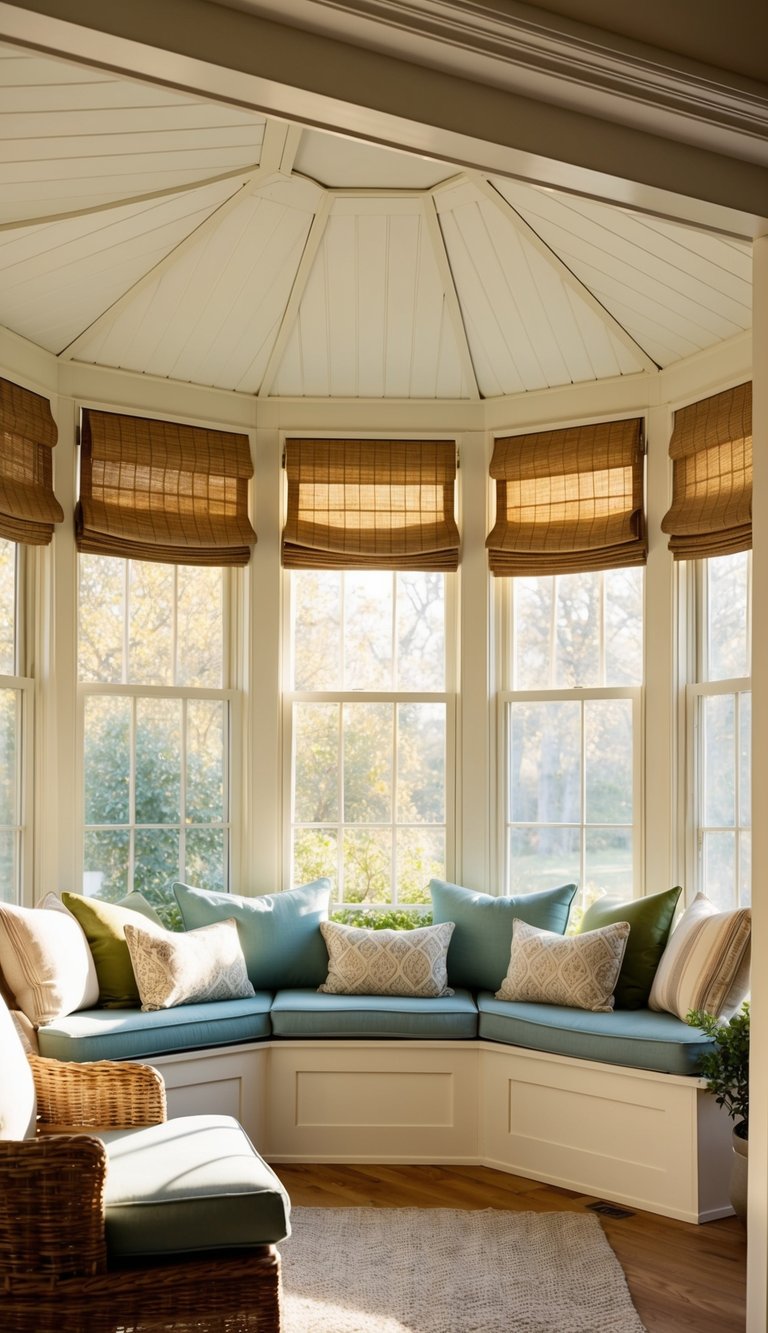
pixel 579 971
pixel 706 962
pixel 174 968
pixel 387 962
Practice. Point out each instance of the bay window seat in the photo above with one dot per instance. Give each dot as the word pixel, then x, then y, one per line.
pixel 603 1103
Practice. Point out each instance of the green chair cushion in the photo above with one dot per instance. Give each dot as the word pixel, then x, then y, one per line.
pixel 193 1183
pixel 279 932
pixel 478 955
pixel 650 921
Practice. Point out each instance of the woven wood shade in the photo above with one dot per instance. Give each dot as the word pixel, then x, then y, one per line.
pixel 370 504
pixel 157 490
pixel 28 506
pixel 711 452
pixel 568 500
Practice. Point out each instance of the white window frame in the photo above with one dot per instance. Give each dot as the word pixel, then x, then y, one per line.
pixel 575 694
pixel 23 686
pixel 695 692
pixel 233 732
pixel 447 697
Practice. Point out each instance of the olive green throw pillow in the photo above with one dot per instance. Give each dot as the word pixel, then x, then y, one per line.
pixel 650 921
pixel 104 926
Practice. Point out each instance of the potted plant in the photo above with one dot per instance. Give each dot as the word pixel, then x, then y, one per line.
pixel 726 1069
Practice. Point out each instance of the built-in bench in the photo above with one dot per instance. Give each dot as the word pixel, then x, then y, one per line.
pixel 600 1099
pixel 603 1103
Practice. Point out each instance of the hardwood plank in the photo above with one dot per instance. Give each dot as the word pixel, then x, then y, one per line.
pixel 681 1276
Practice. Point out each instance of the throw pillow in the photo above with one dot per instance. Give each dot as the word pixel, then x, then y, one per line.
pixel 706 963
pixel 202 965
pixel 479 951
pixel 650 921
pixel 104 925
pixel 578 971
pixel 46 962
pixel 279 932
pixel 387 962
pixel 138 903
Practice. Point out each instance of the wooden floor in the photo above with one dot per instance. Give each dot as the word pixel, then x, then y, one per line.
pixel 681 1277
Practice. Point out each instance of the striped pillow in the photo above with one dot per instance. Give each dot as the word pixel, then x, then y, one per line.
pixel 706 963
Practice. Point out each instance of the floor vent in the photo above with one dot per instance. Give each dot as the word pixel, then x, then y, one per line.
pixel 610 1210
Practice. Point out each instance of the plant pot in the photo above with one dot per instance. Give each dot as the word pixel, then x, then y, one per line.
pixel 738 1187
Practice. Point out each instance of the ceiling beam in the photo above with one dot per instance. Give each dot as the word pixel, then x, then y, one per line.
pixel 290 314
pixel 566 275
pixel 435 233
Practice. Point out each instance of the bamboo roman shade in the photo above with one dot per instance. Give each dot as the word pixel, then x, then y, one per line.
pixel 28 506
pixel 370 504
pixel 157 490
pixel 569 500
pixel 711 452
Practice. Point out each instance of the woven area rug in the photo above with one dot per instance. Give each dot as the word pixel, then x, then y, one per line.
pixel 443 1270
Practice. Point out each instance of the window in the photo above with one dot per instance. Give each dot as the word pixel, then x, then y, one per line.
pixel 16 697
pixel 572 669
pixel 156 723
pixel 719 722
pixel 370 732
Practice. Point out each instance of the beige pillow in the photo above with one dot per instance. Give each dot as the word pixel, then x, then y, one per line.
pixel 578 971
pixel 387 962
pixel 706 962
pixel 46 961
pixel 173 968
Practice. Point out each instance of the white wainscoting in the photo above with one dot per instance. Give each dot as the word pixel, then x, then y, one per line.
pixel 652 1141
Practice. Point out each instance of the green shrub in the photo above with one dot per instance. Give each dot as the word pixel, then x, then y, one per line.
pixel 372 918
pixel 726 1068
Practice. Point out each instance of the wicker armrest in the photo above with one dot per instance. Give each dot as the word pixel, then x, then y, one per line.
pixel 51 1210
pixel 102 1095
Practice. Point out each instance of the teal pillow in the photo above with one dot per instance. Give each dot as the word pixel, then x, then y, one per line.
pixel 279 932
pixel 138 903
pixel 650 921
pixel 478 955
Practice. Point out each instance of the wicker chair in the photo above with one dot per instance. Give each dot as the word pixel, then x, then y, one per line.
pixel 55 1273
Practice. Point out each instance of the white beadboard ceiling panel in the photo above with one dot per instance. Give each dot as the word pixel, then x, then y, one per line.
pixel 528 330
pixel 372 321
pixel 675 289
pixel 74 138
pixel 155 231
pixel 211 315
pixel 58 277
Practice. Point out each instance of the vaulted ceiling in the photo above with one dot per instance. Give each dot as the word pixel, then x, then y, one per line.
pixel 156 231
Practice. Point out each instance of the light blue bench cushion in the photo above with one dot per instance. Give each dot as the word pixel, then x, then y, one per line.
pixel 194 1183
pixel 128 1034
pixel 307 1013
pixel 639 1038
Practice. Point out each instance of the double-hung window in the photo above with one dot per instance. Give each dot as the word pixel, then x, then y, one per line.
pixel 158 710
pixel 28 512
pixel 569 541
pixel 370 541
pixel 710 527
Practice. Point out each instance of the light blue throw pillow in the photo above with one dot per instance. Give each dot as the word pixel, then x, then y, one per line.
pixel 279 932
pixel 478 955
